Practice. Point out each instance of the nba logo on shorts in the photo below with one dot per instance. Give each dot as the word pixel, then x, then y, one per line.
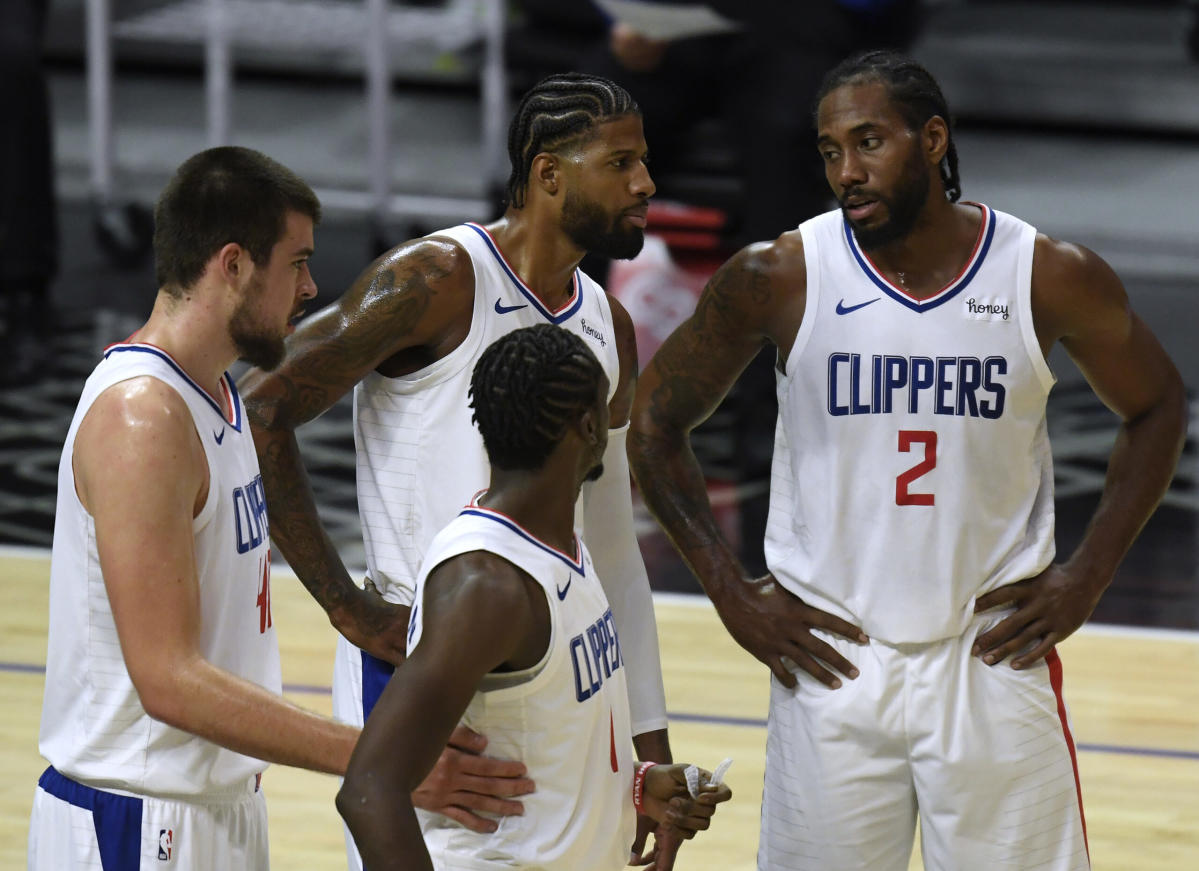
pixel 165 836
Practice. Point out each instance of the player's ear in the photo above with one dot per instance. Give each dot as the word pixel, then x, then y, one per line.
pixel 588 427
pixel 232 263
pixel 935 139
pixel 546 173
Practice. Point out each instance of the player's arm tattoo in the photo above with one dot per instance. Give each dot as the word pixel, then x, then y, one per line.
pixel 380 314
pixel 688 377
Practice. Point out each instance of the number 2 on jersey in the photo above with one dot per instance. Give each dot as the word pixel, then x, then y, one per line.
pixel 908 437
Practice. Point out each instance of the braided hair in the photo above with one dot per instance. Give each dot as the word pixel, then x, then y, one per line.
pixel 914 92
pixel 559 109
pixel 527 389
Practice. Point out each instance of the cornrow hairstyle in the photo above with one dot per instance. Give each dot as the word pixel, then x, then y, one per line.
pixel 914 91
pixel 527 389
pixel 558 110
pixel 222 195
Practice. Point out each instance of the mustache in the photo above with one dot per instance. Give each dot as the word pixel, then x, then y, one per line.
pixel 861 193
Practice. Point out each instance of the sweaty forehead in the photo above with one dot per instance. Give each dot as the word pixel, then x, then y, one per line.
pixel 853 104
pixel 622 133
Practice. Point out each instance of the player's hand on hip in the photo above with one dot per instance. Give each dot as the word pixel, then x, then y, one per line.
pixel 772 623
pixel 464 783
pixel 1049 608
pixel 373 624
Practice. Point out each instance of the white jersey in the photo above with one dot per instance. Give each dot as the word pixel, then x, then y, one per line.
pixel 912 470
pixel 567 718
pixel 94 728
pixel 420 458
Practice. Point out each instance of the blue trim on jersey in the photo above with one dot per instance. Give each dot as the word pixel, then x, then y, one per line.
pixel 375 675
pixel 234 398
pixel 946 293
pixel 576 565
pixel 550 316
pixel 117 818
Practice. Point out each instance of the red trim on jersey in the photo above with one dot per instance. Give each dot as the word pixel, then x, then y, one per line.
pixel 982 233
pixel 574 277
pixel 612 738
pixel 576 560
pixel 226 406
pixel 1055 679
pixel 228 402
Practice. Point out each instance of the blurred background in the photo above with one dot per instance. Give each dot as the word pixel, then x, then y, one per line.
pixel 1080 117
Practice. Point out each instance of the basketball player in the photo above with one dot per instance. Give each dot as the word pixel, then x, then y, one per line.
pixel 511 630
pixel 910 540
pixel 405 337
pixel 162 703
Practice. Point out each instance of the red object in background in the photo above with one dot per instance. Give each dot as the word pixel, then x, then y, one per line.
pixel 683 249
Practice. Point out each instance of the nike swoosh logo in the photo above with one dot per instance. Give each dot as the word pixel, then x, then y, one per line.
pixel 843 309
pixel 562 591
pixel 501 309
pixel 219 438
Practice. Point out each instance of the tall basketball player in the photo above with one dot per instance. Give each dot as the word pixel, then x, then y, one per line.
pixel 910 539
pixel 511 631
pixel 405 337
pixel 162 702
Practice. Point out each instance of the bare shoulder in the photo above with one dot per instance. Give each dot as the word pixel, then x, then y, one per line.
pixel 137 431
pixel 142 408
pixel 1074 291
pixel 422 266
pixel 478 574
pixel 494 612
pixel 760 290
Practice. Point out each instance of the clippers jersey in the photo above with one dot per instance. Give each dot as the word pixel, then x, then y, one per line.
pixel 419 456
pixel 912 470
pixel 94 728
pixel 567 718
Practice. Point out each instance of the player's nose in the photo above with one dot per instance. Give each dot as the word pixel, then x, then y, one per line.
pixel 642 183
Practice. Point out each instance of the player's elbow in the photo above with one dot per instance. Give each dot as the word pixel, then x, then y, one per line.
pixel 361 795
pixel 350 800
pixel 163 699
pixel 168 688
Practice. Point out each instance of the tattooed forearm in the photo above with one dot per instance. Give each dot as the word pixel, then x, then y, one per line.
pixel 688 377
pixel 294 524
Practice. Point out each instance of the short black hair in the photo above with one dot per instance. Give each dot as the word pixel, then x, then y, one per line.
pixel 556 111
pixel 914 91
pixel 222 195
pixel 527 389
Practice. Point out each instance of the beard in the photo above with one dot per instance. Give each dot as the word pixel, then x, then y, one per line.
pixel 594 474
pixel 254 342
pixel 593 230
pixel 903 207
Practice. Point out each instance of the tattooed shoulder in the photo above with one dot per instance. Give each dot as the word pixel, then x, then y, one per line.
pixel 416 268
pixel 755 285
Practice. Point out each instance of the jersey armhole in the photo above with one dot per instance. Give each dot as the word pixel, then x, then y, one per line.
pixel 811 301
pixel 1028 332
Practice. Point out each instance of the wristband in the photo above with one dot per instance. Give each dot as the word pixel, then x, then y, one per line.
pixel 639 785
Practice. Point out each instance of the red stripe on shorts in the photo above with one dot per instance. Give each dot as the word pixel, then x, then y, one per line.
pixel 1055 679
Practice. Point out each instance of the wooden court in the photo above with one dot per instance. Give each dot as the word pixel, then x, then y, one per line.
pixel 1133 696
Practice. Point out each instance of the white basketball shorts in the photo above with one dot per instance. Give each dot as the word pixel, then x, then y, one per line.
pixel 982 755
pixel 75 827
